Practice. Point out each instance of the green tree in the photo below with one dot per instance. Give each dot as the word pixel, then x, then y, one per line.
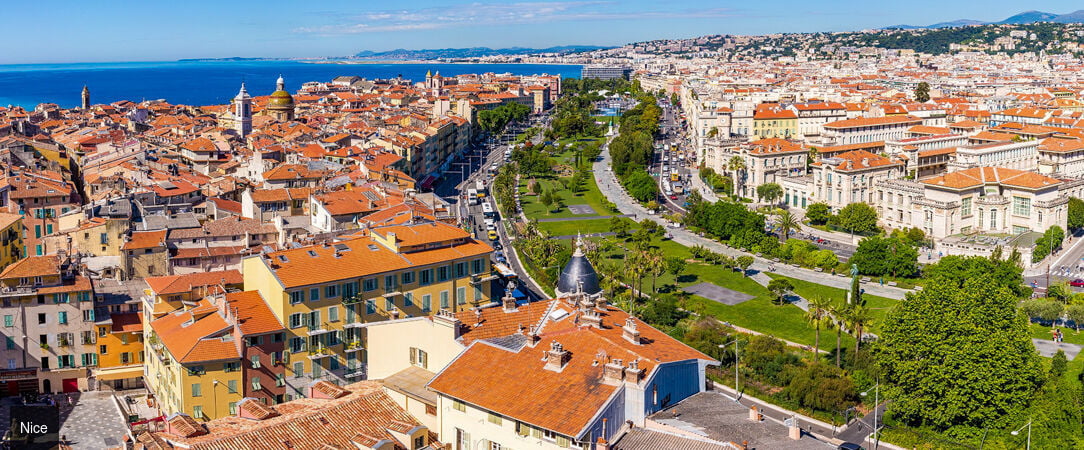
pixel 958 269
pixel 787 222
pixel 922 92
pixel 1075 220
pixel 858 318
pixel 838 314
pixel 1059 291
pixel 675 265
pixel 955 356
pixel 818 213
pixel 770 192
pixel 780 288
pixel 879 255
pixel 619 226
pixel 1075 313
pixel 736 165
pixel 743 262
pixel 822 387
pixel 858 218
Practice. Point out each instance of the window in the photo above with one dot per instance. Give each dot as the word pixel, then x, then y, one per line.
pixel 314 294
pixel 197 390
pixel 280 380
pixel 124 338
pixel 297 320
pixel 425 277
pixel 459 406
pixel 460 270
pixel 444 299
pixel 442 273
pixel 408 300
pixel 389 282
pixel 196 370
pixel 419 442
pixel 333 314
pixel 965 206
pixel 317 369
pixel 231 367
pixel 233 408
pixel 299 369
pixel 10 341
pixel 461 295
pixel 494 419
pixel 41 318
pixel 372 284
pixel 297 297
pixel 197 412
pixel 102 349
pixel 256 361
pixel 477 266
pixel 297 344
pixel 370 307
pixel 419 357
pixel 427 303
pixel 331 291
pixel 231 386
pixel 389 304
pixel 1021 206
pixel 9 321
pixel 60 298
pixel 314 320
pixel 478 293
pixel 256 384
pixel 349 290
pixel 88 315
pixel 407 277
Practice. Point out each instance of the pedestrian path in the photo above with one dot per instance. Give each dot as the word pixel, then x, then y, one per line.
pixel 764 279
pixel 571 219
pixel 607 184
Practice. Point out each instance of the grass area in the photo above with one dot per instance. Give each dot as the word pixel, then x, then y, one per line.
pixel 570 228
pixel 590 196
pixel 1071 336
pixel 878 306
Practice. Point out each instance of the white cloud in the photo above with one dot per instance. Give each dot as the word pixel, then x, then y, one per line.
pixel 476 14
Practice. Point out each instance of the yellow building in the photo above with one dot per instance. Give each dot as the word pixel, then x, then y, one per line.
pixel 120 351
pixel 11 239
pixel 772 121
pixel 324 293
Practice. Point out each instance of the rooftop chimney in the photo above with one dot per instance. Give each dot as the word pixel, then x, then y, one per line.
pixel 633 372
pixel 613 372
pixel 508 302
pixel 532 335
pixel 556 357
pixel 629 331
pixel 446 318
pixel 591 318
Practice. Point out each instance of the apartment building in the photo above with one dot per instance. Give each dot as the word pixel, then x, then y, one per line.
pixel 119 338
pixel 41 199
pixel 324 294
pixel 768 161
pixel 1013 155
pixel 204 359
pixel 48 313
pixel 1061 156
pixel 849 177
pixel 774 121
pixel 11 238
pixel 813 115
pixel 867 129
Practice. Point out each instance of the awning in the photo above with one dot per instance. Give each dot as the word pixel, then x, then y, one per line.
pixel 118 373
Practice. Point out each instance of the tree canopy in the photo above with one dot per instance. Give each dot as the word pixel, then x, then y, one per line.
pixel 879 255
pixel 958 356
pixel 857 217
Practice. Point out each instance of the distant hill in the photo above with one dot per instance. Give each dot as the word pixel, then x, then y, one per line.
pixel 1018 19
pixel 1028 17
pixel 472 52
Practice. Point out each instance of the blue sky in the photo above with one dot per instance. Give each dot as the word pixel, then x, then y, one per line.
pixel 154 30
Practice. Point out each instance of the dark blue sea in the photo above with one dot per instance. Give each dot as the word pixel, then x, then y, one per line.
pixel 208 82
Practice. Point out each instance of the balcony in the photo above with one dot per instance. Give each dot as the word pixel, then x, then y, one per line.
pixel 353 346
pixel 318 353
pixel 357 372
pixel 318 329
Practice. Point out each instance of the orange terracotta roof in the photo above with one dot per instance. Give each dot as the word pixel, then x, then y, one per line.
pixel 191 338
pixel 126 322
pixel 253 314
pixel 874 121
pixel 859 160
pixel 32 266
pixel 176 284
pixel 979 176
pixel 146 239
pixel 1061 145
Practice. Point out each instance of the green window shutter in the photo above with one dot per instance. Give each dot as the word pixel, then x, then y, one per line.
pixel 536 433
pixel 563 442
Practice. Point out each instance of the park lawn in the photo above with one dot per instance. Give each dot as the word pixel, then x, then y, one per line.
pixel 591 196
pixel 878 306
pixel 572 227
pixel 1040 331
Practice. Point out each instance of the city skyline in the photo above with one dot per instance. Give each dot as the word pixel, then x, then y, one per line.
pixel 278 29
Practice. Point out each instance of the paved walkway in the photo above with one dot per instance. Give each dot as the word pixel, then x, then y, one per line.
pixel 796 299
pixel 608 185
pixel 94 422
pixel 1048 348
pixel 570 219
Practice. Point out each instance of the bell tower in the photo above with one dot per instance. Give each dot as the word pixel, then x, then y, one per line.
pixel 242 112
pixel 86 97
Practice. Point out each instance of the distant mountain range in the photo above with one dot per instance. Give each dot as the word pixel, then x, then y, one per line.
pixel 472 52
pixel 1022 18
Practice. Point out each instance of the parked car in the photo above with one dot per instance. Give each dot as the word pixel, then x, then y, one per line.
pixel 492 235
pixel 1077 283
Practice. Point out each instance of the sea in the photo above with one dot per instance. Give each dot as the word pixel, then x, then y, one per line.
pixel 202 83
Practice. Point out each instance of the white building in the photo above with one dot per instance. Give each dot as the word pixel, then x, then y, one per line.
pixel 867 129
pixel 849 178
pixel 1013 155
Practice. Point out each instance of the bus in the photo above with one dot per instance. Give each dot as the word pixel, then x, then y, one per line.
pixel 472 197
pixel 487 210
pixel 480 188
pixel 674 176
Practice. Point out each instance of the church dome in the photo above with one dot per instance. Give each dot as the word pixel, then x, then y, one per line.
pixel 577 272
pixel 281 99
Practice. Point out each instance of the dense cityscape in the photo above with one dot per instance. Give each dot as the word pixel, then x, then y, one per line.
pixel 844 240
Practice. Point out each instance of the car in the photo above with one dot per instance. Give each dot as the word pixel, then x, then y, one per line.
pixel 673 197
pixel 849 446
pixel 1077 283
pixel 492 235
pixel 497 246
pixel 498 255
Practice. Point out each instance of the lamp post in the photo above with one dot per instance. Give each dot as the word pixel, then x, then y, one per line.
pixel 876 403
pixel 214 393
pixel 1017 432
pixel 735 342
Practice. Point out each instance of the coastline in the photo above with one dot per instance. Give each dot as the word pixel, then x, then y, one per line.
pixel 430 61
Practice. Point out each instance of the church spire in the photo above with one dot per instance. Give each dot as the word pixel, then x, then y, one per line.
pixel 86 97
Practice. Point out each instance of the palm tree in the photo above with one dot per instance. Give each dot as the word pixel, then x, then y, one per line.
pixel 656 264
pixel 858 317
pixel 838 313
pixel 735 165
pixel 787 222
pixel 817 316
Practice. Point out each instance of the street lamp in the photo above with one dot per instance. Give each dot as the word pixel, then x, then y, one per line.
pixel 876 403
pixel 214 392
pixel 735 342
pixel 1017 432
